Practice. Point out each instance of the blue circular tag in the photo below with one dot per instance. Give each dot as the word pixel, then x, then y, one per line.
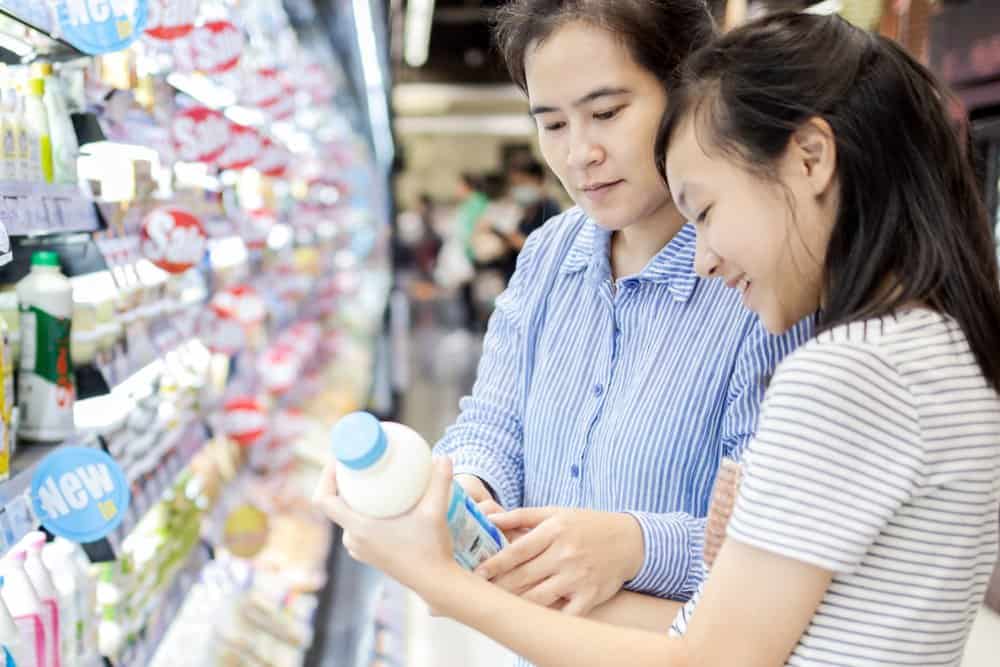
pixel 79 493
pixel 101 26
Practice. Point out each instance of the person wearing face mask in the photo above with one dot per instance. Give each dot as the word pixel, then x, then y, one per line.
pixel 527 188
pixel 613 380
pixel 864 530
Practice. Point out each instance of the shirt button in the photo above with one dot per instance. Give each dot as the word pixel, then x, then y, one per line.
pixel 575 471
pixel 598 390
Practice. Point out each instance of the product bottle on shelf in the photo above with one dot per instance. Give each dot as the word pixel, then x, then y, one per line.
pixel 6 401
pixel 41 579
pixel 11 649
pixel 22 601
pixel 46 385
pixel 383 470
pixel 8 141
pixel 87 603
pixel 65 147
pixel 39 132
pixel 72 602
pixel 13 103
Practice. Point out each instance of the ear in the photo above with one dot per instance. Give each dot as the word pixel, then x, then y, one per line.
pixel 814 152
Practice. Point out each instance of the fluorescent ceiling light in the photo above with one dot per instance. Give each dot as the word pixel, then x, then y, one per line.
pixel 507 125
pixel 203 89
pixel 417 36
pixel 825 7
pixel 18 47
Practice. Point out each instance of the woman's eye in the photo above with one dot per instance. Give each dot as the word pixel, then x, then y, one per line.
pixel 552 127
pixel 608 115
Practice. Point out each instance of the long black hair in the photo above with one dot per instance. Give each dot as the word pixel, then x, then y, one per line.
pixel 911 226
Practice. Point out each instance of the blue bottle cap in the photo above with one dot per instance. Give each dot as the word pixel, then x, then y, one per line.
pixel 358 441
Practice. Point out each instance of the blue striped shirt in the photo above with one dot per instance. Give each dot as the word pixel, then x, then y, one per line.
pixel 616 397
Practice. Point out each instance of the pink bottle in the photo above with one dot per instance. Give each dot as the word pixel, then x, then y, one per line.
pixel 26 608
pixel 41 579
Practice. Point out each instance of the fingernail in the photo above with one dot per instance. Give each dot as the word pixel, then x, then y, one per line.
pixel 483 572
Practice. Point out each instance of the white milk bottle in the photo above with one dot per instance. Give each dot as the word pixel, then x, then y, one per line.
pixel 46 387
pixel 383 470
pixel 22 601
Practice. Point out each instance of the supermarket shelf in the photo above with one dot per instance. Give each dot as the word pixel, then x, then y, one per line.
pixel 38 17
pixel 165 608
pixel 17 519
pixel 33 209
pixel 157 472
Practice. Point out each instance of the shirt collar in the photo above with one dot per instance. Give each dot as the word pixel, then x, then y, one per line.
pixel 672 266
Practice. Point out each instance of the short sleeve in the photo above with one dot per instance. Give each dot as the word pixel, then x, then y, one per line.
pixel 838 452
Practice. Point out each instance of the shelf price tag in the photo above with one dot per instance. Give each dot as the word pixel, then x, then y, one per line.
pixel 101 26
pixel 79 493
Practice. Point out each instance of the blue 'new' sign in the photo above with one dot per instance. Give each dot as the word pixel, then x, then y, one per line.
pixel 79 493
pixel 101 26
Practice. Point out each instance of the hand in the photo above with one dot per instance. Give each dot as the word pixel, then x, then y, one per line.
pixel 579 556
pixel 721 510
pixel 415 548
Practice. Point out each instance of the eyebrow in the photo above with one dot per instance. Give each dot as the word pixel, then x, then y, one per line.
pixel 606 91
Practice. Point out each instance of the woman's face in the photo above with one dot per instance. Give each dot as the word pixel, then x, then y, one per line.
pixel 767 239
pixel 597 113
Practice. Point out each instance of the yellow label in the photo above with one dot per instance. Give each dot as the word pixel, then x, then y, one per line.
pixel 124 29
pixel 48 167
pixel 108 509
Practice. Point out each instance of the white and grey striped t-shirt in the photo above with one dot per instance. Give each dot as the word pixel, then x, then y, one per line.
pixel 878 458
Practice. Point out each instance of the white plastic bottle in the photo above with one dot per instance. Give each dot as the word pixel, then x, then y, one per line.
pixel 48 595
pixel 11 654
pixel 383 470
pixel 46 386
pixel 24 605
pixel 13 103
pixel 87 605
pixel 65 147
pixel 72 602
pixel 8 142
pixel 39 132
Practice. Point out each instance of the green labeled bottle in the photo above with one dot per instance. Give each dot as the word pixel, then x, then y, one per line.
pixel 46 386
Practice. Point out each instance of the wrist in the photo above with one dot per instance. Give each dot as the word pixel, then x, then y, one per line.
pixel 633 547
pixel 443 587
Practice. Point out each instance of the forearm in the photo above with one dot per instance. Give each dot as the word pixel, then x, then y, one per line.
pixel 635 610
pixel 543 636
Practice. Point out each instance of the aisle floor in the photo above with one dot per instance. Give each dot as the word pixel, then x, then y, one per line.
pixel 443 366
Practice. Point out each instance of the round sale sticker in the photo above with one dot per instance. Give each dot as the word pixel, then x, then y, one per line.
pixel 200 135
pixel 101 26
pixel 171 19
pixel 215 48
pixel 173 239
pixel 262 88
pixel 255 228
pixel 240 303
pixel 243 148
pixel 244 420
pixel 79 493
pixel 273 160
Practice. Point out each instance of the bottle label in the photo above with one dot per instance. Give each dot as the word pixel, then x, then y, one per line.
pixel 32 632
pixel 51 608
pixel 47 386
pixel 475 539
pixel 45 157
